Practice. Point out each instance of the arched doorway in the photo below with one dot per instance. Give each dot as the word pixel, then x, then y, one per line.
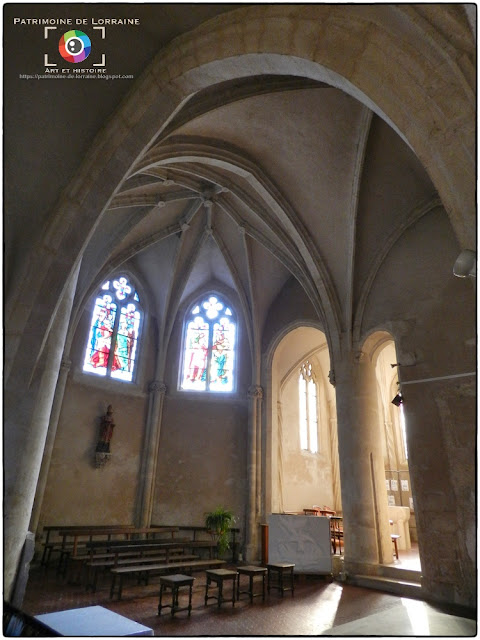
pixel 401 509
pixel 304 450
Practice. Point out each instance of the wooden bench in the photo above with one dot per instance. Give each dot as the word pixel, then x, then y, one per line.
pixel 143 560
pixel 197 531
pixel 138 547
pixel 104 548
pixel 78 564
pixel 50 546
pixel 79 534
pixel 139 551
pixel 161 568
pixel 68 550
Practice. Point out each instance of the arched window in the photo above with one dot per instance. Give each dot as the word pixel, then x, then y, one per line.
pixel 115 321
pixel 403 430
pixel 209 347
pixel 308 415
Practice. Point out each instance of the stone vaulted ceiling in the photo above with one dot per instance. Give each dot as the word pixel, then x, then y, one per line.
pixel 254 183
pixel 257 143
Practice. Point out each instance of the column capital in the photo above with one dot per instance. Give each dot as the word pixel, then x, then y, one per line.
pixel 65 364
pixel 255 391
pixel 331 377
pixel 359 356
pixel 157 385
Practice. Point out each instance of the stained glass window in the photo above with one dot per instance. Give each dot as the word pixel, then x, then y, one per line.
pixel 115 321
pixel 308 414
pixel 209 351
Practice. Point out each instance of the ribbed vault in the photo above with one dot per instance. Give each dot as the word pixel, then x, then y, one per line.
pixel 234 195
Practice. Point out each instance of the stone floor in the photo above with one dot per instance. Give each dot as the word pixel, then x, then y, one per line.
pixel 319 607
pixel 408 559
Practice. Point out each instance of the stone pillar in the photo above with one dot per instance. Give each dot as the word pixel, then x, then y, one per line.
pixel 364 495
pixel 390 445
pixel 47 454
pixel 337 496
pixel 157 390
pixel 20 492
pixel 255 396
pixel 280 460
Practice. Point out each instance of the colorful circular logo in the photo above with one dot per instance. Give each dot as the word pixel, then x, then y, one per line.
pixel 74 46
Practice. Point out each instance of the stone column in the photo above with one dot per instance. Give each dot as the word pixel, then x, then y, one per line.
pixel 390 444
pixel 364 495
pixel 20 492
pixel 47 454
pixel 255 396
pixel 157 390
pixel 337 496
pixel 280 459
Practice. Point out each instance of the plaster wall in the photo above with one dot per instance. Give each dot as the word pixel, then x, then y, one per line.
pixel 202 460
pixel 76 491
pixel 299 478
pixel 291 307
pixel 307 477
pixel 417 287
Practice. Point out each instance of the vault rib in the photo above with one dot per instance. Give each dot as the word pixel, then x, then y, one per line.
pixel 352 214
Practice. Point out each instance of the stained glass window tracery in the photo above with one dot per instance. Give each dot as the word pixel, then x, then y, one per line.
pixel 116 321
pixel 209 347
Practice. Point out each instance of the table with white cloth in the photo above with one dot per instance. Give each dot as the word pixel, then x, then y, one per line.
pixel 92 621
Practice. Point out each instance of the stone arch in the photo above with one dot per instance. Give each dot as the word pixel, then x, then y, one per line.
pixel 302 340
pixel 380 348
pixel 374 343
pixel 418 96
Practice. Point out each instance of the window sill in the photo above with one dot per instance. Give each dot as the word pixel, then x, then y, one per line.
pixel 309 454
pixel 108 384
pixel 212 396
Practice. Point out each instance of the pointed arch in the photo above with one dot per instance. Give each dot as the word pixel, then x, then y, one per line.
pixel 270 39
pixel 317 477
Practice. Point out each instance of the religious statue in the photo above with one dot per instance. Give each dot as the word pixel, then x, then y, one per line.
pixel 102 452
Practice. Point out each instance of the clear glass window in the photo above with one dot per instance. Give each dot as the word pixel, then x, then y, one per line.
pixel 308 412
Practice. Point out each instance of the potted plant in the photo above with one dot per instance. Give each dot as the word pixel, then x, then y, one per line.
pixel 219 522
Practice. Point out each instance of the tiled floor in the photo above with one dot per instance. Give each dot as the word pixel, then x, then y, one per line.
pixel 319 607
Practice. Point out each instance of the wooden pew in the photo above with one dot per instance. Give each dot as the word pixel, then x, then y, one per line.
pixel 73 536
pixel 197 532
pixel 49 545
pixel 141 552
pixel 100 553
pixel 161 568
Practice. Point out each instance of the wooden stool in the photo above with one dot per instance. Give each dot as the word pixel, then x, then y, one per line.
pixel 279 570
pixel 218 576
pixel 251 571
pixel 174 582
pixel 395 537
